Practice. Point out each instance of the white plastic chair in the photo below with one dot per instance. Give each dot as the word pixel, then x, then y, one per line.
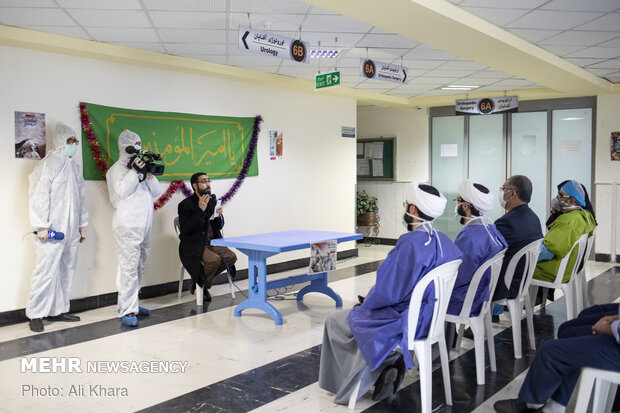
pixel 604 392
pixel 568 288
pixel 581 286
pixel 199 290
pixel 515 305
pixel 482 321
pixel 443 278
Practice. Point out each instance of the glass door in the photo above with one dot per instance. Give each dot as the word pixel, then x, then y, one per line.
pixel 528 156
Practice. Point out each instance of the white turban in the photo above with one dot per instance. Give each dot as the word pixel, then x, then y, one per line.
pixel 481 201
pixel 429 204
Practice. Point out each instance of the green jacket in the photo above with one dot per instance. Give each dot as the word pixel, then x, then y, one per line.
pixel 563 233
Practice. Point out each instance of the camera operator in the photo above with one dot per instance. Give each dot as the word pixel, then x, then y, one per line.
pixel 132 197
pixel 201 220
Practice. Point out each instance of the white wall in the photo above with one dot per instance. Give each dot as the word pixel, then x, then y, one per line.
pixel 311 188
pixel 605 172
pixel 410 128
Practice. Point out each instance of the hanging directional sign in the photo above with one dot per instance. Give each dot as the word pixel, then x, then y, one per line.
pixel 373 69
pixel 271 44
pixel 486 106
pixel 324 80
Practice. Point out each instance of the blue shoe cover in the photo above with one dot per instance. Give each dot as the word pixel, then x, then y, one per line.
pixel 143 311
pixel 129 321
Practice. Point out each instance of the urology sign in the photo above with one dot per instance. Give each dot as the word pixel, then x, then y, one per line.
pixel 188 143
pixel 486 106
pixel 274 45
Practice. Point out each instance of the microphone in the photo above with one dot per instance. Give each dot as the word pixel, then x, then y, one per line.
pixel 51 234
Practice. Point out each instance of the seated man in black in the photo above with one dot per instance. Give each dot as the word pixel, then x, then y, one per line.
pixel 519 227
pixel 201 221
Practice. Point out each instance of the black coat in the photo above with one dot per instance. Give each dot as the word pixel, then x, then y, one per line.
pixel 193 223
pixel 519 227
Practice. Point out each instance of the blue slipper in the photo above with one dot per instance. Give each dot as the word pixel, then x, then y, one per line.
pixel 129 320
pixel 143 311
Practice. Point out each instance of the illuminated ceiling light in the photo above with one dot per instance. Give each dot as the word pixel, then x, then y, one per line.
pixel 458 87
pixel 572 118
pixel 323 54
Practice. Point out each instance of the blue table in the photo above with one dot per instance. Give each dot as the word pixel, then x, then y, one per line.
pixel 261 246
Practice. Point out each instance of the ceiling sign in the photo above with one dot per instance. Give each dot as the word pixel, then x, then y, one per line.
pixel 270 44
pixel 373 69
pixel 326 80
pixel 486 106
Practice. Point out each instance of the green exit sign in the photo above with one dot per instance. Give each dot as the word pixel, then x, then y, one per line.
pixel 324 80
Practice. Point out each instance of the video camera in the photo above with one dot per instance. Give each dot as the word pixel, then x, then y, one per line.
pixel 148 158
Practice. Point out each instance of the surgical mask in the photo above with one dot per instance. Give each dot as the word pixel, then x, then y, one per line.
pixel 555 205
pixel 407 221
pixel 70 149
pixel 565 206
pixel 138 147
pixel 502 201
pixel 459 213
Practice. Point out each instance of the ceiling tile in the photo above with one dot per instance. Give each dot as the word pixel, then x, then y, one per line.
pixel 579 38
pixel 563 50
pixel 612 43
pixel 186 5
pixel 602 72
pixel 583 62
pixel 189 20
pixel 423 64
pixel 499 17
pixel 30 3
pixel 153 47
pixel 107 34
pixel 597 52
pixel 476 81
pixel 449 73
pixel 269 6
pixel 253 60
pixel 422 52
pixel 462 65
pixel 35 17
pixel 609 22
pixel 608 64
pixel 513 83
pixel 375 53
pixel 534 35
pixel 334 24
pixel 100 5
pixel 192 35
pixel 196 48
pixel 387 40
pixel 490 74
pixel 432 79
pixel 547 19
pixel 328 40
pixel 581 5
pixel 267 22
pixel 110 18
pixel 75 32
pixel 503 4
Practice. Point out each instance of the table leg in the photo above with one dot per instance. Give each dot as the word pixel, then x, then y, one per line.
pixel 257 292
pixel 320 286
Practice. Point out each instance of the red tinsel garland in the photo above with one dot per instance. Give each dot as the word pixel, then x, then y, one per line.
pixel 95 149
pixel 174 186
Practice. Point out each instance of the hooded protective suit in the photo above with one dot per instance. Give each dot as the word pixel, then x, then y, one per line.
pixel 56 202
pixel 133 212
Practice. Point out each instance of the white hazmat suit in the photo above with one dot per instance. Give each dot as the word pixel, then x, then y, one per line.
pixel 132 200
pixel 56 202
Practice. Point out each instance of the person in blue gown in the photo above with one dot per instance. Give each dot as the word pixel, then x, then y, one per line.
pixel 359 344
pixel 479 241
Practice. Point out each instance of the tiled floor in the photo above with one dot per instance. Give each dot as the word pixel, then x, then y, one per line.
pixel 238 364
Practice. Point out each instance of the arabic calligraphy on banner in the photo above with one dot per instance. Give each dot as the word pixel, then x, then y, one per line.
pixel 188 143
pixel 486 106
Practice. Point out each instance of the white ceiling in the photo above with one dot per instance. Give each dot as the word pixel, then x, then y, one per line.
pixel 583 32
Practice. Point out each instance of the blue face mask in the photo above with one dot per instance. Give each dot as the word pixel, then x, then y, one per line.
pixel 70 149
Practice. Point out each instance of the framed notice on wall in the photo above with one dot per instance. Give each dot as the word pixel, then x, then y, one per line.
pixel 375 159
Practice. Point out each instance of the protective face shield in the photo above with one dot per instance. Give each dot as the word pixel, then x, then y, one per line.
pixel 70 149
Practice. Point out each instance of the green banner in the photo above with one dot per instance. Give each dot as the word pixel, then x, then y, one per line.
pixel 188 143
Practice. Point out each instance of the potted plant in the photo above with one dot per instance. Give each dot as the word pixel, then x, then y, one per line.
pixel 366 209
